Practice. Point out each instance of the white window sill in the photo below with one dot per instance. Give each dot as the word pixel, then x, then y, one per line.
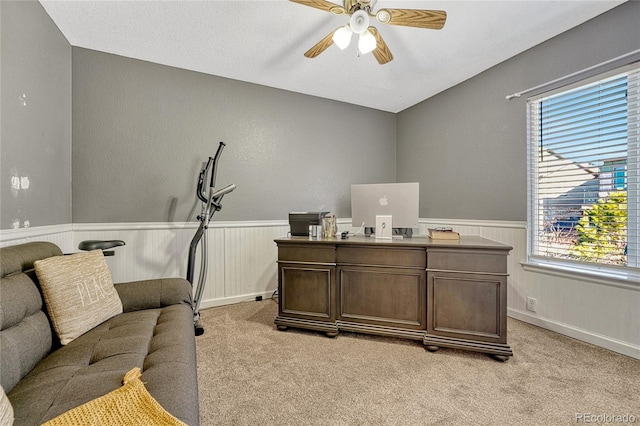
pixel 624 280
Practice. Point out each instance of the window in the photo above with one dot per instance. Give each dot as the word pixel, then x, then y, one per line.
pixel 584 180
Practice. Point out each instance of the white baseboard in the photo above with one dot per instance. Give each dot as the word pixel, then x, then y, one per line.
pixel 576 333
pixel 222 301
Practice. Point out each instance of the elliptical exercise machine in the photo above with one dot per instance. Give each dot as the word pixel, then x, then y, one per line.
pixel 210 205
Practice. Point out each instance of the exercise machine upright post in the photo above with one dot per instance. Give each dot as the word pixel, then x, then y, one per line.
pixel 211 203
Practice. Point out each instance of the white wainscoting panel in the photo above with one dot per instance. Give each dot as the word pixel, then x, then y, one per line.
pixel 241 256
pixel 250 264
pixel 242 265
pixel 150 251
pixel 60 235
pixel 603 315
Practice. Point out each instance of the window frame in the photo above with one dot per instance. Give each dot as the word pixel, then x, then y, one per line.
pixel 591 271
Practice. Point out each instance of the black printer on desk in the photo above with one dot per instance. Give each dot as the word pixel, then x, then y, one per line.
pixel 301 221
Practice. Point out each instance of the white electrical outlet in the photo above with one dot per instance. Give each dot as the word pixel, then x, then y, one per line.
pixel 532 304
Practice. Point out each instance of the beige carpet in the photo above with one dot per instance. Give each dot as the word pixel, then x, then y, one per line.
pixel 250 373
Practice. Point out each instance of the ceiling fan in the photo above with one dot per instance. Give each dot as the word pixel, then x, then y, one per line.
pixel 369 39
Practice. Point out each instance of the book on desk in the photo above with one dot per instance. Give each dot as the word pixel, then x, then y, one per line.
pixel 443 234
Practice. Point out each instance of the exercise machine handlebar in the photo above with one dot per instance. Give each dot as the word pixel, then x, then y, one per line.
pixel 227 189
pixel 215 164
pixel 210 167
pixel 216 197
pixel 203 175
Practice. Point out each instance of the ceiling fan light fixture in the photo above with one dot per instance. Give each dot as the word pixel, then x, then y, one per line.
pixel 359 22
pixel 342 37
pixel 366 43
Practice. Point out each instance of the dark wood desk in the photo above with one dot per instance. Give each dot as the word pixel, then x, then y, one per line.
pixel 445 293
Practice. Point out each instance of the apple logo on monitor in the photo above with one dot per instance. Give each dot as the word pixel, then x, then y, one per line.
pixel 384 201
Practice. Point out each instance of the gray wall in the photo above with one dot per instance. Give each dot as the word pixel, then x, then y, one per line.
pixel 467 145
pixel 141 132
pixel 35 139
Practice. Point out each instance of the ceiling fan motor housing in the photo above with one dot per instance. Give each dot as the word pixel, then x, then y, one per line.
pixel 352 5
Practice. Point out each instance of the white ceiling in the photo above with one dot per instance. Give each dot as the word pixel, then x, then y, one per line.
pixel 263 41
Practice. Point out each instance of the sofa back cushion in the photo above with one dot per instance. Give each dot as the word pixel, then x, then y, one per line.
pixel 25 332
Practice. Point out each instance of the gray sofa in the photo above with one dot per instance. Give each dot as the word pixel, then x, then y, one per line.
pixel 44 379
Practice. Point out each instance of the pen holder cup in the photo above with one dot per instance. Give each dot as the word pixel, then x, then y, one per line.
pixel 329 227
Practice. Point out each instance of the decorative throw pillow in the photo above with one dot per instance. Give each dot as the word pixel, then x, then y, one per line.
pixel 78 292
pixel 6 410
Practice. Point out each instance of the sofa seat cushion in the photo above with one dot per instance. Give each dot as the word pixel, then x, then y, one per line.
pixel 158 341
pixel 131 404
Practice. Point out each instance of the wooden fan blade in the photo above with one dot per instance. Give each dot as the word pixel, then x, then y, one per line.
pixel 381 52
pixel 320 46
pixel 430 19
pixel 327 6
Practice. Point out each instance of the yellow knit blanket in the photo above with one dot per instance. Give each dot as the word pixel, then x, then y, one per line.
pixel 130 404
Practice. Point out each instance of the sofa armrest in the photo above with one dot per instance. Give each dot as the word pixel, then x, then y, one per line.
pixel 156 293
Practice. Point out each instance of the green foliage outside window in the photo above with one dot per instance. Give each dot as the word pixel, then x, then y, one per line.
pixel 602 231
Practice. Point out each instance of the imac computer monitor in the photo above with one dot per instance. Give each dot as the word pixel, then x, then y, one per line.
pixel 399 200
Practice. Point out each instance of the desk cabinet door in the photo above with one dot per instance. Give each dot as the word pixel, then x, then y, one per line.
pixel 307 291
pixel 467 306
pixel 391 297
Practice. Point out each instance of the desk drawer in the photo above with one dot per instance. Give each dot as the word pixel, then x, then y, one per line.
pixel 382 256
pixel 458 260
pixel 307 253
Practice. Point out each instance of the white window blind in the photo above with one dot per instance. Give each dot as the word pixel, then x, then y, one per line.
pixel 584 181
